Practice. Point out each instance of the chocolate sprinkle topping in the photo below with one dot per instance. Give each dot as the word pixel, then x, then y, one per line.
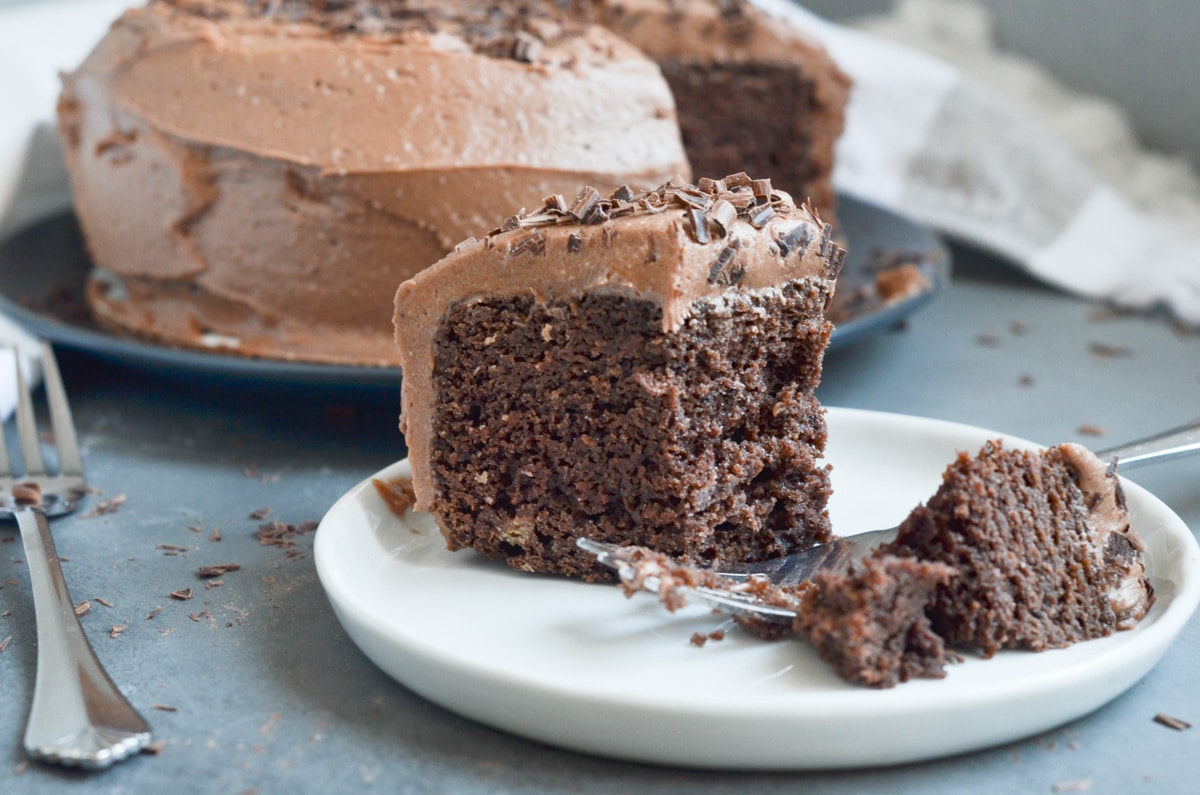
pixel 710 209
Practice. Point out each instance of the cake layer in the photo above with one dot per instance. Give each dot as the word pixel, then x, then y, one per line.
pixel 583 417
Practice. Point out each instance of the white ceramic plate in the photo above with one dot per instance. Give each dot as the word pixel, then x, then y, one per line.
pixel 582 667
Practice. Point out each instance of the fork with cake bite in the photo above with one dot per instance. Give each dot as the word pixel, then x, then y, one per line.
pixel 79 718
pixel 734 590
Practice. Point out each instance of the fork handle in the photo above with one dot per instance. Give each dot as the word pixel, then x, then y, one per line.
pixel 79 717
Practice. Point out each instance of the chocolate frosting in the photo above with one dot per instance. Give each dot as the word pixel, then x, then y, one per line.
pixel 1115 544
pixel 675 246
pixel 261 176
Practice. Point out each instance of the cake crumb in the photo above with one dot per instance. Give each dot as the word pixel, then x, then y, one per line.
pixel 1171 722
pixel 397 493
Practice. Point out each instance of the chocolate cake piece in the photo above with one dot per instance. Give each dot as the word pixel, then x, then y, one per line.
pixel 1042 545
pixel 869 623
pixel 637 369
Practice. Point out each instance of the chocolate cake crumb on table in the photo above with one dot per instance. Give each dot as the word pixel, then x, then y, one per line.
pixel 637 368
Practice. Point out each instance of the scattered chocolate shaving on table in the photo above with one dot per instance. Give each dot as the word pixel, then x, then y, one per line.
pixel 215 535
pixel 155 747
pixel 1087 429
pixel 154 612
pixel 397 493
pixel 106 507
pixel 195 528
pixel 260 514
pixel 83 608
pixel 205 572
pixel 1025 380
pixel 117 629
pixel 104 602
pixel 172 549
pixel 282 535
pixel 4 643
pixel 164 707
pixel 1082 785
pixel 6 613
pixel 208 586
pixel 182 595
pixel 988 340
pixel 1106 351
pixel 1171 722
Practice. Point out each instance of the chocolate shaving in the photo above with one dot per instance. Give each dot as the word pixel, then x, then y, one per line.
pixel 720 272
pixel 283 536
pixel 83 608
pixel 534 244
pixel 260 513
pixel 117 629
pixel 759 216
pixel 182 595
pixel 206 572
pixel 1172 722
pixel 723 214
pixel 4 643
pixel 154 612
pixel 588 198
pixel 397 493
pixel 796 240
pixel 574 243
pixel 699 225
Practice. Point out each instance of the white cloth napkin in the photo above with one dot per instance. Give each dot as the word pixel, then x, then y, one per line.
pixel 921 138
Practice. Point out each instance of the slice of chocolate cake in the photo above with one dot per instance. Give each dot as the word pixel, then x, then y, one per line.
pixel 638 369
pixel 1042 545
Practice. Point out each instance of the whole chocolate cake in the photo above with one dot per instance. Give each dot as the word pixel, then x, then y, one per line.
pixel 637 368
pixel 257 177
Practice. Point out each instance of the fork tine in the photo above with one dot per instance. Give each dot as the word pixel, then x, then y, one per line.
pixel 27 428
pixel 69 460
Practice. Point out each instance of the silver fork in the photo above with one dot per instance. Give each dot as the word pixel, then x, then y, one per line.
pixel 736 598
pixel 78 718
